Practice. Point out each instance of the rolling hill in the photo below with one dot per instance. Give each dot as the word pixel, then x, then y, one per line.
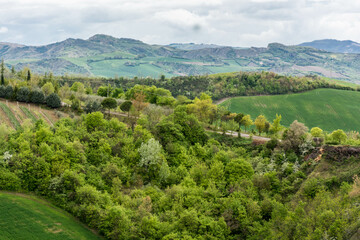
pixel 27 217
pixel 336 46
pixel 328 109
pixel 107 56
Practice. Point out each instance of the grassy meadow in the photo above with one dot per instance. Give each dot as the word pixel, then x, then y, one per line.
pixel 26 217
pixel 328 109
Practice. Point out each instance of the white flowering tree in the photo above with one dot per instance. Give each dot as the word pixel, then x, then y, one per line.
pixel 151 155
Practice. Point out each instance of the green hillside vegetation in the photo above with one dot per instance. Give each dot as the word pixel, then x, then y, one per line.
pixel 328 109
pixel 25 217
pixel 219 86
pixel 107 56
pixel 167 178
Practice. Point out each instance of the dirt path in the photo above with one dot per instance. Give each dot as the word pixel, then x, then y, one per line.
pixel 218 102
pixel 244 135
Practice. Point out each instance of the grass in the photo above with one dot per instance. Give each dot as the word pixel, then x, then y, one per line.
pixel 25 217
pixel 28 113
pixel 11 116
pixel 328 109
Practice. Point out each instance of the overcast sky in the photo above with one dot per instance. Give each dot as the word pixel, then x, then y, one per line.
pixel 240 23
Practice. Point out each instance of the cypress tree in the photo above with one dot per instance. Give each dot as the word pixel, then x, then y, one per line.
pixel 2 72
pixel 28 76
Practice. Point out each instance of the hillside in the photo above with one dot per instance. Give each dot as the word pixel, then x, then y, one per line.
pixel 14 114
pixel 103 55
pixel 328 109
pixel 335 46
pixel 27 217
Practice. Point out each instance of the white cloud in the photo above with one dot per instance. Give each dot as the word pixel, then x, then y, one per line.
pixel 4 29
pixel 226 22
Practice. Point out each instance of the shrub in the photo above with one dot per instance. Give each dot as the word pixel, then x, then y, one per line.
pixel 9 92
pixel 9 181
pixel 37 96
pixel 53 101
pixel 23 94
pixel 238 169
pixel 2 91
pixel 338 136
pixel 92 106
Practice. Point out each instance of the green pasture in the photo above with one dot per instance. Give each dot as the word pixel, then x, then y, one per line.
pixel 328 109
pixel 26 217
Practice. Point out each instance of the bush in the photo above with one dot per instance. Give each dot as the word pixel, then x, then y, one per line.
pixel 238 169
pixel 23 94
pixel 311 187
pixel 338 136
pixel 37 96
pixel 2 91
pixel 53 101
pixel 92 106
pixel 9 92
pixel 9 181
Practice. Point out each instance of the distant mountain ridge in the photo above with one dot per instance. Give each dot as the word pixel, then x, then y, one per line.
pixel 103 55
pixel 336 46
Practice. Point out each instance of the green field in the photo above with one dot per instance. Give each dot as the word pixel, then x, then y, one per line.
pixel 25 217
pixel 328 109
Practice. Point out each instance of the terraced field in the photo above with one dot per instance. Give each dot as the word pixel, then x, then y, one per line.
pixel 26 217
pixel 328 109
pixel 14 114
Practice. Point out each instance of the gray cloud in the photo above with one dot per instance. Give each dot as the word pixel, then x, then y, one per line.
pixel 226 22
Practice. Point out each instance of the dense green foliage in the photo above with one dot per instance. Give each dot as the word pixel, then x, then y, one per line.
pixel 53 100
pixel 174 181
pixel 328 109
pixel 161 175
pixel 221 85
pixel 25 217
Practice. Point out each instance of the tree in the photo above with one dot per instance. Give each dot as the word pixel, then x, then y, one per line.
pixel 237 169
pixel 260 122
pixel 239 117
pixel 94 120
pixel 92 106
pixel 338 136
pixel 78 87
pixel 37 96
pixel 276 126
pixel 117 93
pixel 247 121
pixel 151 156
pixel 53 100
pixel 105 91
pixel 267 127
pixel 203 108
pixel 23 94
pixel 126 106
pixel 139 102
pixel 13 71
pixel 2 69
pixel 294 136
pixel 2 91
pixel 28 78
pixel 316 132
pixel 232 126
pixel 48 88
pixel 109 103
pixel 9 92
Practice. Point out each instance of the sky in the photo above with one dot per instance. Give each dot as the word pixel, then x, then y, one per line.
pixel 241 23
